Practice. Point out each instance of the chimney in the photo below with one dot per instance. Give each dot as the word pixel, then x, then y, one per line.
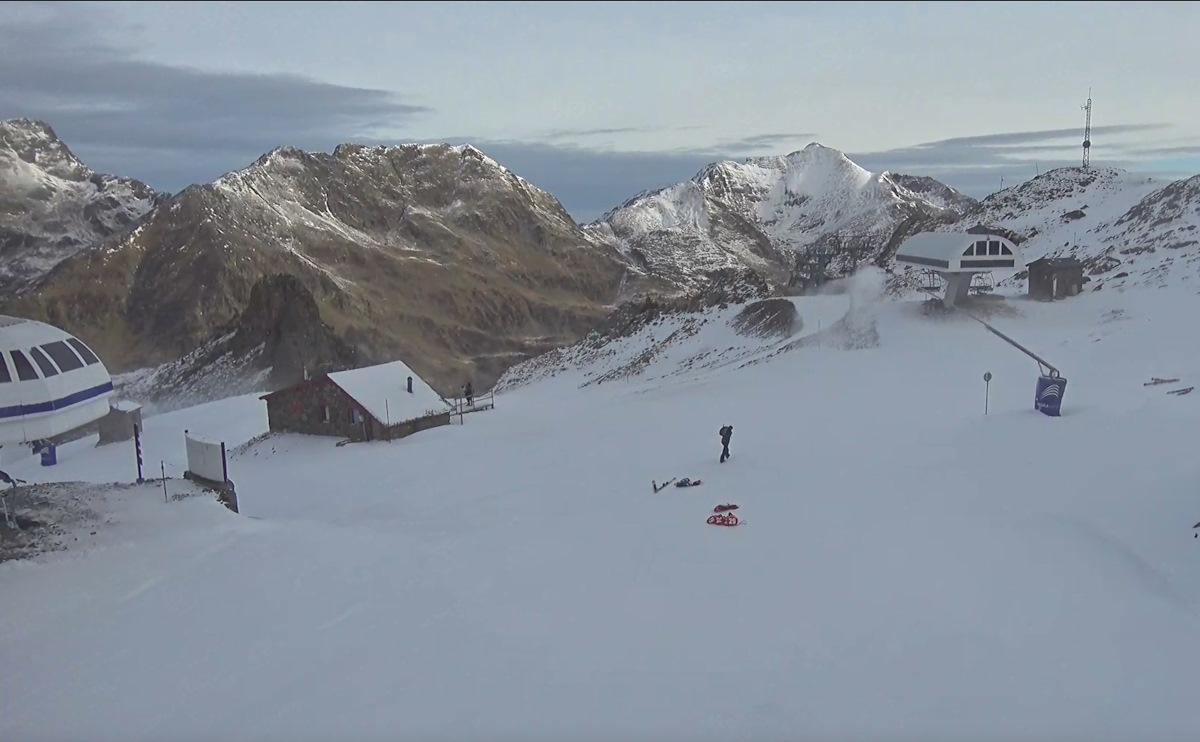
pixel 410 385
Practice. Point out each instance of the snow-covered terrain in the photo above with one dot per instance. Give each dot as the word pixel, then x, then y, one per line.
pixel 758 212
pixel 52 205
pixel 1129 229
pixel 907 568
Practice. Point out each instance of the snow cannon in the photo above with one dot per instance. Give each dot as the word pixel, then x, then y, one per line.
pixel 1047 398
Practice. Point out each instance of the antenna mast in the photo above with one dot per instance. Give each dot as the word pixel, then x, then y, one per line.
pixel 1087 132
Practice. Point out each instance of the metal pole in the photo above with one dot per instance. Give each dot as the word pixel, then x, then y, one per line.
pixel 163 466
pixel 1005 338
pixel 137 447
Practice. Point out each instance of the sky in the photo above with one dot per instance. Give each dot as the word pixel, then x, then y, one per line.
pixel 596 102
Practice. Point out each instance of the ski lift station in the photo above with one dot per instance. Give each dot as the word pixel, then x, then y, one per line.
pixel 50 382
pixel 958 257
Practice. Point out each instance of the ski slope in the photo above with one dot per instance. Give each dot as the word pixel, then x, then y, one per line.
pixel 909 567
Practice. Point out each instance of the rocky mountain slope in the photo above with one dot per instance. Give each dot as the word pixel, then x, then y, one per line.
pixel 277 340
pixel 1128 229
pixel 438 255
pixel 435 254
pixel 760 212
pixel 52 205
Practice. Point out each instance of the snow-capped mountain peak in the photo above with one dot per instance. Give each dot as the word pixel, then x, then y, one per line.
pixel 759 212
pixel 54 204
pixel 34 142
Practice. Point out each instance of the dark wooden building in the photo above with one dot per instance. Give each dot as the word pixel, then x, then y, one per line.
pixel 380 402
pixel 1055 278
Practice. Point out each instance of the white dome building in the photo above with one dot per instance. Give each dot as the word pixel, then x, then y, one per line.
pixel 50 382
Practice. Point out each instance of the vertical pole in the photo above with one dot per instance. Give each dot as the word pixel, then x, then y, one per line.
pixel 224 464
pixel 162 465
pixel 137 447
pixel 987 392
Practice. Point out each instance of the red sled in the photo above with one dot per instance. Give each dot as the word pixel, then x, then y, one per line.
pixel 723 508
pixel 723 519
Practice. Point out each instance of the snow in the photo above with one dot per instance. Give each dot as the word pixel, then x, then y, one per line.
pixel 909 569
pixel 59 206
pixel 382 390
pixel 1072 211
pixel 733 215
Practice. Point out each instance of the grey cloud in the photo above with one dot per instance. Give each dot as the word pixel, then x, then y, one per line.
pixel 763 141
pixel 173 126
pixel 1042 135
pixel 1169 151
pixel 558 134
pixel 975 165
pixel 168 125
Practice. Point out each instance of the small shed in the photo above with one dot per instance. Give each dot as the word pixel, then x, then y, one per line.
pixel 1055 278
pixel 118 424
pixel 384 401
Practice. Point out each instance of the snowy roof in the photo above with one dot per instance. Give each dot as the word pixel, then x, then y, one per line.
pixel 125 405
pixel 382 390
pixel 936 245
pixel 959 252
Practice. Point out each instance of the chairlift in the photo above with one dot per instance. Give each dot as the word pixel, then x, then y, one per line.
pixel 982 283
pixel 931 282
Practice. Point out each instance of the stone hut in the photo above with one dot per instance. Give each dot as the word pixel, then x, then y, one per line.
pixel 378 402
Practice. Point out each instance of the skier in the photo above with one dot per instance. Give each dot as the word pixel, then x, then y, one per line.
pixel 469 393
pixel 726 434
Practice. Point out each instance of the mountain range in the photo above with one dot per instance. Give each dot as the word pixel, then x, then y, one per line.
pixel 440 255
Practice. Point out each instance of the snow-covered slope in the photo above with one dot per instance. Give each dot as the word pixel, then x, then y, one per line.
pixel 52 205
pixel 759 212
pixel 1129 229
pixel 907 568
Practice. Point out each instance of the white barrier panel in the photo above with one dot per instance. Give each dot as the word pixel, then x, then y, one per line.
pixel 204 458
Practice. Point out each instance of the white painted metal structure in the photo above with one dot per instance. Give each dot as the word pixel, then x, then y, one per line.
pixel 50 382
pixel 958 256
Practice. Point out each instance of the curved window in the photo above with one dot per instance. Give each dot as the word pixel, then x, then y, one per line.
pixel 24 368
pixel 43 362
pixel 63 356
pixel 84 352
pixel 5 376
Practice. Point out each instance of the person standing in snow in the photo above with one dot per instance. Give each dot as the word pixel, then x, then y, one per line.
pixel 726 434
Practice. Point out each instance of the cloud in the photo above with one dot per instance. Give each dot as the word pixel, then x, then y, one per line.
pixel 164 124
pixel 758 142
pixel 978 165
pixel 560 134
pixel 172 126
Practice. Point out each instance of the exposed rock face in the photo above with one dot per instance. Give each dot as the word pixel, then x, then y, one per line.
pixel 52 205
pixel 282 318
pixel 766 318
pixel 435 254
pixel 439 256
pixel 274 342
